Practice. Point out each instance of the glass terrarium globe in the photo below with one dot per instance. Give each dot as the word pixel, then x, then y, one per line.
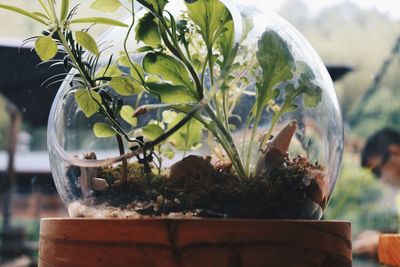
pixel 265 141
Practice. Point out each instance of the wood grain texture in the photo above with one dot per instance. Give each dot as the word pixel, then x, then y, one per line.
pixel 197 242
pixel 389 249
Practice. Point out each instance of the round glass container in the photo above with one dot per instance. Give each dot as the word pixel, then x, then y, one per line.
pixel 227 111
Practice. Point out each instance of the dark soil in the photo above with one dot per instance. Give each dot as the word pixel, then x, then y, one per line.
pixel 292 191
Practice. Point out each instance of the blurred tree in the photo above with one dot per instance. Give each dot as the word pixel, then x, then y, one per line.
pixel 380 105
pixel 346 34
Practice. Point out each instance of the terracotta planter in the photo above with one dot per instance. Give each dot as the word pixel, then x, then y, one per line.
pixel 389 249
pixel 202 242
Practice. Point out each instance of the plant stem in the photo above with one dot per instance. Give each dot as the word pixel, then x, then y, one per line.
pixel 252 137
pixel 88 82
pixel 225 139
pixel 124 172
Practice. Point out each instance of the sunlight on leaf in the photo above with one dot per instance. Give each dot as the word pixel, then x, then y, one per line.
pixel 23 12
pixel 147 31
pixel 87 42
pixel 46 48
pixel 99 20
pixel 103 130
pixel 168 68
pixel 86 102
pixel 125 86
pixel 187 137
pixel 152 131
pixel 169 116
pixel 277 64
pixel 172 94
pixel 127 114
pixel 106 5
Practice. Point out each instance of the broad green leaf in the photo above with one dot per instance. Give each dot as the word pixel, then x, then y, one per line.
pixel 106 5
pixel 64 9
pixel 152 131
pixel 172 94
pixel 125 86
pixel 46 48
pixel 103 130
pixel 188 136
pixel 127 114
pixel 87 42
pixel 123 59
pixel 156 5
pixel 86 103
pixel 312 92
pixel 168 68
pixel 137 72
pixel 23 12
pixel 99 20
pixel 169 116
pixel 291 107
pixel 312 100
pixel 210 16
pixel 147 30
pixel 226 43
pixel 277 64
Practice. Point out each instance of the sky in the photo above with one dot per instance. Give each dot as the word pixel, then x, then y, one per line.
pixel 389 7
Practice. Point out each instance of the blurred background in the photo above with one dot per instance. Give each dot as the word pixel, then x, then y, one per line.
pixel 359 41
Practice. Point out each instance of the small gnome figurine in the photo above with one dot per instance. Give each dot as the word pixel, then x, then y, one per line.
pixel 276 152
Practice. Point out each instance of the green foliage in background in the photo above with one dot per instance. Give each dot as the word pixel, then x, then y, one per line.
pixel 380 105
pixel 339 45
pixel 360 198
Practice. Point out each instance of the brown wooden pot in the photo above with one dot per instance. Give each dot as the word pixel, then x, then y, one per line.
pixel 389 249
pixel 196 242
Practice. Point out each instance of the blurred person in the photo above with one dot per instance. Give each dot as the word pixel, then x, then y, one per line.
pixel 381 155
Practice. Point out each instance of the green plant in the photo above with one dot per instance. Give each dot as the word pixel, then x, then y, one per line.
pixel 192 63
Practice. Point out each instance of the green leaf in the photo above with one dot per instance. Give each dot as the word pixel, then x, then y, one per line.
pixel 87 42
pixel 277 64
pixel 23 12
pixel 168 68
pixel 99 20
pixel 40 14
pixel 147 31
pixel 106 5
pixel 210 16
pixel 312 92
pixel 85 101
pixel 144 49
pixel 152 131
pixel 172 94
pixel 112 71
pixel 127 115
pixel 137 72
pixel 312 100
pixel 125 86
pixel 188 136
pixel 169 116
pixel 46 48
pixel 64 9
pixel 156 5
pixel 226 43
pixel 103 130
